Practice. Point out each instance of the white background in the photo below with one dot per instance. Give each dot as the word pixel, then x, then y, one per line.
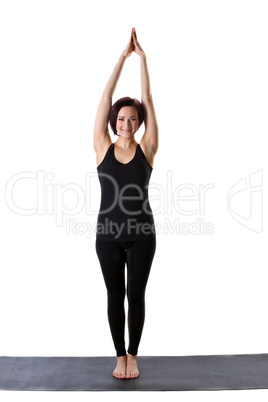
pixel 207 293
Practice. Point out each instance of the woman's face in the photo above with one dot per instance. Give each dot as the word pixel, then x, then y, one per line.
pixel 127 122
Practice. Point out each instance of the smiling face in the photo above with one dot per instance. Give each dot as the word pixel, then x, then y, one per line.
pixel 127 122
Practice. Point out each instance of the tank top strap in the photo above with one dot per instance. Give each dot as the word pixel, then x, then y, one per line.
pixel 142 157
pixel 107 156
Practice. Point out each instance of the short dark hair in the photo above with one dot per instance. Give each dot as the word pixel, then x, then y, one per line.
pixel 126 101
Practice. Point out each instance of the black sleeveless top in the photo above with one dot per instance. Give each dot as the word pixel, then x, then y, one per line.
pixel 125 213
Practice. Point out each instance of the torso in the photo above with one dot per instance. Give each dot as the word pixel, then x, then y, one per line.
pixel 125 213
pixel 127 155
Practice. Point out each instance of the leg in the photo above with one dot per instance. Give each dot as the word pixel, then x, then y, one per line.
pixel 112 259
pixel 139 260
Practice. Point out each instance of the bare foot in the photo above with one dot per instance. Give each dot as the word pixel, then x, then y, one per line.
pixel 121 368
pixel 132 368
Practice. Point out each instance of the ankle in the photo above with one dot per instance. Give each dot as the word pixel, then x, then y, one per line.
pixel 130 356
pixel 122 357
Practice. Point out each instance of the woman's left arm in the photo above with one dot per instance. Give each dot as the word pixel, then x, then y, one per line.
pixel 150 137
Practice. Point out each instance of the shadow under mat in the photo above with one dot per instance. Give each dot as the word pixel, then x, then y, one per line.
pixel 157 373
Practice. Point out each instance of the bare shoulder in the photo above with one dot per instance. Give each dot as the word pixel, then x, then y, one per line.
pixel 148 151
pixel 102 148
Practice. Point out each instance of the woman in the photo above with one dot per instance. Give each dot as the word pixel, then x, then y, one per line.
pixel 125 229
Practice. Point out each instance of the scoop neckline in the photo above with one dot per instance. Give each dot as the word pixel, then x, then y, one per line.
pixel 121 163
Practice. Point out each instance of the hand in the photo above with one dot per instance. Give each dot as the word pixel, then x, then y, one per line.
pixel 137 46
pixel 130 47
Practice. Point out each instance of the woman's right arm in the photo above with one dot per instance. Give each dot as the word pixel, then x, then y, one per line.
pixel 101 133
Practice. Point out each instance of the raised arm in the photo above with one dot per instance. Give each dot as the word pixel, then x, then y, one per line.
pixel 150 138
pixel 101 133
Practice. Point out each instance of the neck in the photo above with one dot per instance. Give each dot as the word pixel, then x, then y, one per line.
pixel 126 142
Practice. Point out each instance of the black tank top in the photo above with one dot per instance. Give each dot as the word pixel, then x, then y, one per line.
pixel 125 213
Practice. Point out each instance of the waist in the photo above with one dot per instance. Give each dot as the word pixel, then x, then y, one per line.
pixel 130 228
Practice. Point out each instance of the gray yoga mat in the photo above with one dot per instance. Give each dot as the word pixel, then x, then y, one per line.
pixel 157 373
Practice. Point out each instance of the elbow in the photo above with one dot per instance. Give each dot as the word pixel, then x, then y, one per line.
pixel 147 99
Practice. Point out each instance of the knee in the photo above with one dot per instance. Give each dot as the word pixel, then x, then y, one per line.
pixel 135 298
pixel 116 297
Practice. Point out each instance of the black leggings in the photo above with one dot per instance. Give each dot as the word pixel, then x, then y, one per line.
pixel 138 255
